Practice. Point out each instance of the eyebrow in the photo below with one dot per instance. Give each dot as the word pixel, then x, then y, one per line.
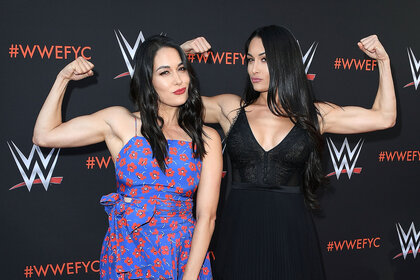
pixel 166 66
pixel 258 54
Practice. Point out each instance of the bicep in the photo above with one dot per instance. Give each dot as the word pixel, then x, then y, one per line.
pixel 210 176
pixel 348 119
pixel 79 131
pixel 219 108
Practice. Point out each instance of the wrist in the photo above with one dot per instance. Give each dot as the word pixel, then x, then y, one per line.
pixel 62 77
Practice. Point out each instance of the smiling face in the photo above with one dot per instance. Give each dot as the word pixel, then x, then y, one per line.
pixel 257 65
pixel 170 78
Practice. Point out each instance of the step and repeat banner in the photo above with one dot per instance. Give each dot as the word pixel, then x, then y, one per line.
pixel 52 223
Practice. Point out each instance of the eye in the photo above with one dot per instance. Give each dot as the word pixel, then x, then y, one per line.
pixel 249 59
pixel 182 68
pixel 264 59
pixel 163 73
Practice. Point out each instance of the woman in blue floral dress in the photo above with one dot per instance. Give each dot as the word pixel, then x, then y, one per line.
pixel 163 154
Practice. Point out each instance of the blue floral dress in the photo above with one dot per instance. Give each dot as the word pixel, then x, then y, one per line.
pixel 150 237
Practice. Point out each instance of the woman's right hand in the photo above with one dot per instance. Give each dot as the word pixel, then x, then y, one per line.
pixel 76 70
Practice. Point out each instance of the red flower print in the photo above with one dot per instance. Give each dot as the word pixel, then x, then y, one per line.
pixel 174 225
pixel 140 176
pixel 158 263
pixel 188 193
pixel 142 161
pixel 173 151
pixel 199 165
pixel 155 163
pixel 122 250
pixel 190 181
pixel 131 167
pixel 169 172
pixel 179 190
pixel 122 187
pixel 164 220
pixel 122 162
pixel 182 171
pixel 104 259
pixel 154 200
pixel 152 222
pixel 129 261
pixel 129 210
pixel 182 143
pixel 145 189
pixel 133 155
pixel 111 259
pixel 190 145
pixel 154 251
pixel 192 166
pixel 158 187
pixel 136 253
pixel 170 236
pixel 168 196
pixel 183 157
pixel 187 243
pixel 184 256
pixel 168 160
pixel 127 148
pixel 165 250
pixel 141 213
pixel 171 183
pixel 154 174
pixel 138 143
pixel 120 174
pixel 205 270
pixel 139 273
pixel 119 268
pixel 146 151
pixel 129 182
pixel 133 192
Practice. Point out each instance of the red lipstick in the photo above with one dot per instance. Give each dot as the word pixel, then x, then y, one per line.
pixel 180 91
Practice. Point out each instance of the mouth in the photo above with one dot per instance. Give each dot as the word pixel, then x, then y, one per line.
pixel 256 80
pixel 180 91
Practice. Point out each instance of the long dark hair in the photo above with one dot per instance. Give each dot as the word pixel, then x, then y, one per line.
pixel 146 99
pixel 290 86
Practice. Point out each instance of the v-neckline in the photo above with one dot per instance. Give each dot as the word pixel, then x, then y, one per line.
pixel 256 141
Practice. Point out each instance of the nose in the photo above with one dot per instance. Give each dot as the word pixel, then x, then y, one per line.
pixel 255 67
pixel 177 78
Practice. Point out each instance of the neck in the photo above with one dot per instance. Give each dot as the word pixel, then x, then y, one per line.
pixel 169 115
pixel 262 99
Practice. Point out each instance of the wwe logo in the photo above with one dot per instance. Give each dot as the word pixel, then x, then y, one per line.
pixel 344 157
pixel 410 241
pixel 128 58
pixel 36 170
pixel 415 67
pixel 307 60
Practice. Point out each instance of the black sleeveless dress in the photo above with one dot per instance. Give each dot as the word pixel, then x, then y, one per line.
pixel 266 230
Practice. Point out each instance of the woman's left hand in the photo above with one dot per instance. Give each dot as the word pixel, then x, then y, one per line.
pixel 197 45
pixel 373 48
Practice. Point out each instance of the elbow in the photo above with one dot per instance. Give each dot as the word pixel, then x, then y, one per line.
pixel 390 121
pixel 40 140
pixel 208 219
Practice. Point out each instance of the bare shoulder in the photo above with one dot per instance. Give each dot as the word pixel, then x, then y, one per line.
pixel 211 136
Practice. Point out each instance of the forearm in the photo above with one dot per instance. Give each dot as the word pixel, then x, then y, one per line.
pixel 385 101
pixel 50 115
pixel 200 242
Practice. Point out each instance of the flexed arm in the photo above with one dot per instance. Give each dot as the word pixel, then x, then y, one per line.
pixel 353 119
pixel 51 131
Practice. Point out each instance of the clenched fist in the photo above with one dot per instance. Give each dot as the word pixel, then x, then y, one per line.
pixel 373 48
pixel 78 69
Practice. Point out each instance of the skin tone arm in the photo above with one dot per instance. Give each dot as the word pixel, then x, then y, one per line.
pixel 207 199
pixel 353 119
pixel 51 131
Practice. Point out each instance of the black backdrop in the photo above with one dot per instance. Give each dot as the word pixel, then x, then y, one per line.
pixel 55 231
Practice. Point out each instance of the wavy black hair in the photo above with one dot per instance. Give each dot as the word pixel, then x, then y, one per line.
pixel 290 86
pixel 146 99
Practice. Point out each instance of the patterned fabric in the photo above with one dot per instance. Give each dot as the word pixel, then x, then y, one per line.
pixel 149 237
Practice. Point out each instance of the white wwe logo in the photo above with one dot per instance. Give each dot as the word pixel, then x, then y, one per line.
pixel 415 67
pixel 131 51
pixel 309 54
pixel 410 241
pixel 29 181
pixel 342 159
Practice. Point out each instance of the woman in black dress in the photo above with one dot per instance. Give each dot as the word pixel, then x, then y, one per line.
pixel 274 144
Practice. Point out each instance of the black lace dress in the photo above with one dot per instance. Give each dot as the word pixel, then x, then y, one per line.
pixel 266 230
